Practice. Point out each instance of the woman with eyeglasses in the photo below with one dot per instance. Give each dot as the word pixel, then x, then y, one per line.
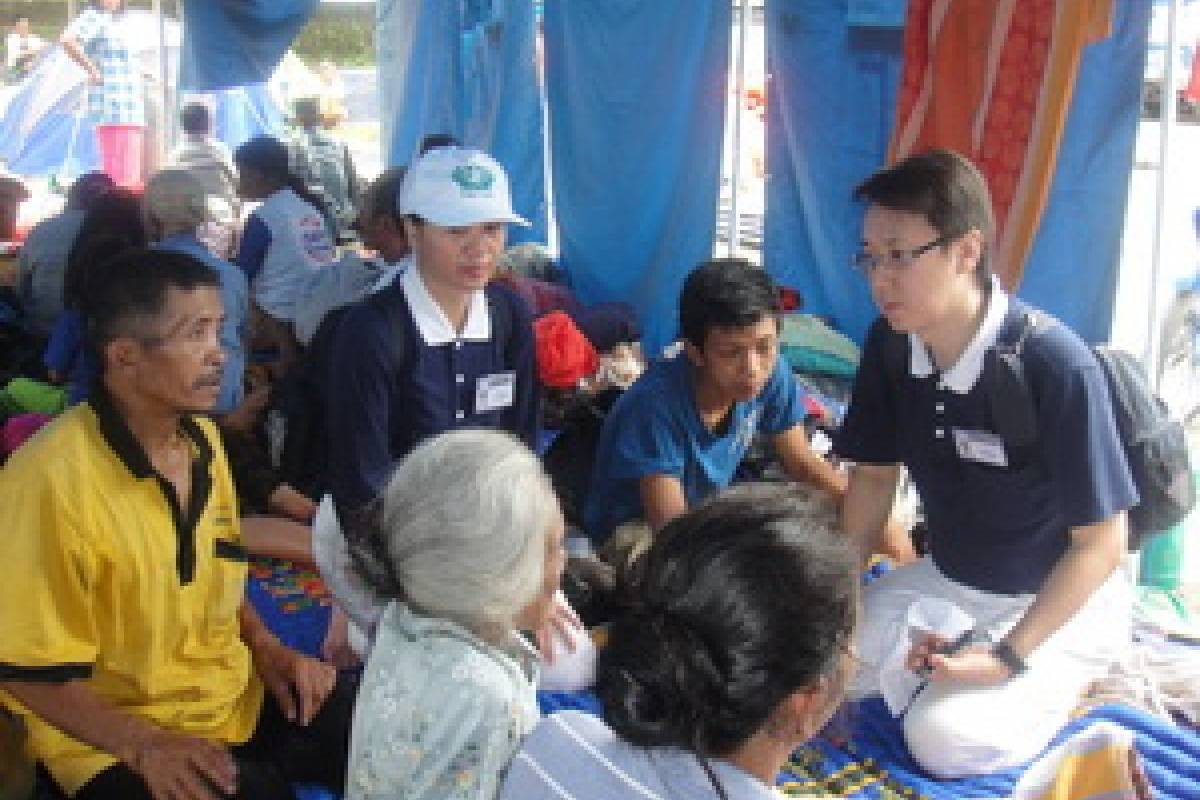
pixel 736 651
pixel 985 644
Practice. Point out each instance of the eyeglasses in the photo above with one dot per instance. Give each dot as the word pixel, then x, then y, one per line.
pixel 867 263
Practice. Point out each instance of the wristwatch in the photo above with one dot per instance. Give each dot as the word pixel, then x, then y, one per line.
pixel 1004 653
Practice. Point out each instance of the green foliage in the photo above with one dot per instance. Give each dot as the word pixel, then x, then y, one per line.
pixel 47 19
pixel 343 34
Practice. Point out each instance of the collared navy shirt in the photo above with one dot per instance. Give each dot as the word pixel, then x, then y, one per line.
pixel 992 527
pixel 380 402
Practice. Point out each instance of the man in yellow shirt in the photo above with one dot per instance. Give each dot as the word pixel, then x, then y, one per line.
pixel 128 644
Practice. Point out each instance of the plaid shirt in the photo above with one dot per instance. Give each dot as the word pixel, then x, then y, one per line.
pixel 119 100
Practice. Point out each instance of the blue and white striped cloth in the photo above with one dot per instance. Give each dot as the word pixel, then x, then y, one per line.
pixel 575 756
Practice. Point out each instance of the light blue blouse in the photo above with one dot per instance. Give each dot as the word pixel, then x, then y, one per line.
pixel 440 713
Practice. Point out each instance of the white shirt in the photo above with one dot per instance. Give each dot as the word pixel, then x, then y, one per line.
pixel 348 280
pixel 961 377
pixel 210 161
pixel 16 46
pixel 300 246
pixel 433 324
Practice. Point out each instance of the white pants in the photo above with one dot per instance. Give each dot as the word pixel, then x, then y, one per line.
pixel 954 729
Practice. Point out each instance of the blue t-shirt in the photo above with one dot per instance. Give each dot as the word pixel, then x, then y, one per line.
pixel 655 429
pixel 992 526
pixel 69 355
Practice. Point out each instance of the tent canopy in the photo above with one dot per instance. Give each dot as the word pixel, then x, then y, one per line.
pixel 45 128
pixel 629 87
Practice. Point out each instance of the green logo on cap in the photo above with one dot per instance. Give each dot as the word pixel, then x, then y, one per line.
pixel 473 178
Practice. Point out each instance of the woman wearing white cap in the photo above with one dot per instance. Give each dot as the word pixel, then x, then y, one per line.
pixel 441 348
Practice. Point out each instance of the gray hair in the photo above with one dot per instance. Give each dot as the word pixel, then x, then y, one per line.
pixel 177 201
pixel 531 260
pixel 461 528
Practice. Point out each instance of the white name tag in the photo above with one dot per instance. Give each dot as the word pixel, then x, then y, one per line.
pixel 494 392
pixel 982 447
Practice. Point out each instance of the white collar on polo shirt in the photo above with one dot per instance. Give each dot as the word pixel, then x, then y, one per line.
pixel 961 377
pixel 434 326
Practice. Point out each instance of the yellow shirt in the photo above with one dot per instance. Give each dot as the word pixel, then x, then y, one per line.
pixel 104 580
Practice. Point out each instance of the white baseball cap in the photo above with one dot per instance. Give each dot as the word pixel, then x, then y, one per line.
pixel 454 186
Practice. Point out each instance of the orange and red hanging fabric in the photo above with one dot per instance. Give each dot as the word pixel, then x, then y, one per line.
pixel 993 79
pixel 1192 90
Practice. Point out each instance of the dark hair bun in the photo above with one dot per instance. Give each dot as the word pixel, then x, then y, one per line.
pixel 738 604
pixel 659 681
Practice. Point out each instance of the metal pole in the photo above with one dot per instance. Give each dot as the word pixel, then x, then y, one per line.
pixel 1167 111
pixel 735 154
pixel 165 115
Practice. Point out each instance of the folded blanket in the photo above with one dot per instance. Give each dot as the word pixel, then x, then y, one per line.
pixel 1096 763
pixel 1089 760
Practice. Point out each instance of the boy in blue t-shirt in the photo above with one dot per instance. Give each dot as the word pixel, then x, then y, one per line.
pixel 679 433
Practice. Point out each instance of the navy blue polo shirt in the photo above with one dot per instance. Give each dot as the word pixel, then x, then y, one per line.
pixel 381 402
pixel 998 520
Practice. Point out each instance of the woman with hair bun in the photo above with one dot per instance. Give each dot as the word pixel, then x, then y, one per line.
pixel 735 652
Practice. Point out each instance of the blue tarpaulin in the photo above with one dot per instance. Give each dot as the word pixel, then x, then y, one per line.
pixel 831 102
pixel 230 43
pixel 61 140
pixel 830 105
pixel 45 128
pixel 467 69
pixel 636 92
pixel 246 112
pixel 877 13
pixel 1073 266
pixel 54 139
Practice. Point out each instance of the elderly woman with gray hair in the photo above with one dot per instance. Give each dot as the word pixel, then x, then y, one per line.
pixel 466 543
pixel 176 207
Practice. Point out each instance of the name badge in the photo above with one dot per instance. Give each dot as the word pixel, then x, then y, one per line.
pixel 494 392
pixel 982 447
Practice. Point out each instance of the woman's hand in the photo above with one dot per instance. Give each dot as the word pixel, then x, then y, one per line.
pixel 560 625
pixel 298 683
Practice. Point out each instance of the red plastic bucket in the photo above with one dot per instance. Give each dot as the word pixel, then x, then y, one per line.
pixel 121 153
